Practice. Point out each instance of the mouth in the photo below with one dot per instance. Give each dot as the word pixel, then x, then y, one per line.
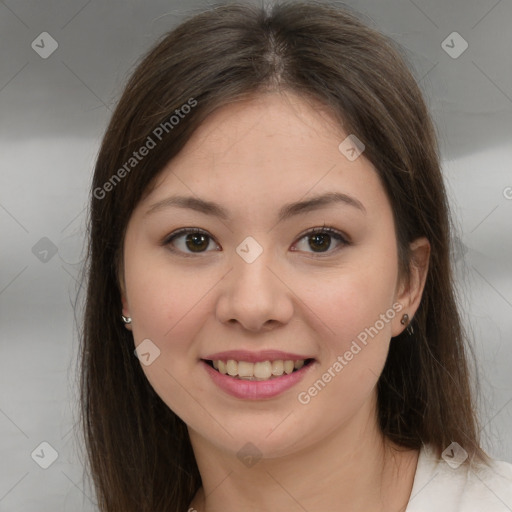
pixel 259 371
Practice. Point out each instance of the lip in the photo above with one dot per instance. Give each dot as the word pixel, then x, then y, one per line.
pixel 256 390
pixel 255 357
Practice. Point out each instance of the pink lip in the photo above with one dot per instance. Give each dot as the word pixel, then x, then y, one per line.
pixel 256 390
pixel 255 357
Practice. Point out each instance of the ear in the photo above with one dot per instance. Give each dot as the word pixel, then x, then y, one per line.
pixel 410 288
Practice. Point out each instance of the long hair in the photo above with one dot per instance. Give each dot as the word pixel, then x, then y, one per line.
pixel 139 452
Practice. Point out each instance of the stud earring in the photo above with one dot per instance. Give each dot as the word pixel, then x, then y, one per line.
pixel 126 319
pixel 405 321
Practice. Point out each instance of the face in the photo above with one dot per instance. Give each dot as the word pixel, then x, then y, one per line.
pixel 296 260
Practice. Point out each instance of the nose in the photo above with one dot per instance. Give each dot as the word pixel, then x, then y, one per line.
pixel 254 296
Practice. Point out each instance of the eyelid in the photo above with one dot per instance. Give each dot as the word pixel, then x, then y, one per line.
pixel 338 235
pixel 334 233
pixel 324 229
pixel 184 231
pixel 166 242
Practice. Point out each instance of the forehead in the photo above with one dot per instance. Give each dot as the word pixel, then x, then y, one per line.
pixel 263 152
pixel 250 134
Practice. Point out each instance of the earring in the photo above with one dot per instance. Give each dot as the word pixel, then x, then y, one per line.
pixel 126 319
pixel 405 321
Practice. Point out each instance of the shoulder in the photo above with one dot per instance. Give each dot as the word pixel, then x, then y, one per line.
pixel 442 487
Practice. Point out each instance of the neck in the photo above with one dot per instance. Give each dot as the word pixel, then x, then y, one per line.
pixel 354 468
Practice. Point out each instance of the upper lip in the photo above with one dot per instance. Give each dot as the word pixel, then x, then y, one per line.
pixel 255 357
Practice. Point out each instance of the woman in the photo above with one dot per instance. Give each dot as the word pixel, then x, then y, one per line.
pixel 270 319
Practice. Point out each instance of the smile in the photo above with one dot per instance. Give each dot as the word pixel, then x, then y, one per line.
pixel 260 371
pixel 257 381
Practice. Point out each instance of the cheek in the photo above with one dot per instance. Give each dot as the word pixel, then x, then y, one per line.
pixel 356 306
pixel 352 300
pixel 159 295
pixel 167 308
pixel 353 353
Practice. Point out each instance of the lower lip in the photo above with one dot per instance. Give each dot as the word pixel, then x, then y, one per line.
pixel 256 390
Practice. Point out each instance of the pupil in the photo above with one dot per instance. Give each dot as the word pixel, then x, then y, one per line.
pixel 322 239
pixel 196 242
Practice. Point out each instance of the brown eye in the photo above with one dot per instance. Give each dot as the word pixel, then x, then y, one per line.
pixel 320 240
pixel 189 241
pixel 197 242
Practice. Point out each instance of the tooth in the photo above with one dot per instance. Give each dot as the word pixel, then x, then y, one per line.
pixel 277 367
pixel 263 370
pixel 288 366
pixel 245 369
pixel 232 367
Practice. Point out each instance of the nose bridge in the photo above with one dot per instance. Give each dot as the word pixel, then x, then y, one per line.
pixel 252 278
pixel 253 295
pixel 253 275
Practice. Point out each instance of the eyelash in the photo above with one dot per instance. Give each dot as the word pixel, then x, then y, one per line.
pixel 314 231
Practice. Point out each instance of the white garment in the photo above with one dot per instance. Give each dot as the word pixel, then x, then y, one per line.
pixel 438 487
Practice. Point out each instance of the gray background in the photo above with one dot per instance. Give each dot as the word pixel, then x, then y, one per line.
pixel 53 113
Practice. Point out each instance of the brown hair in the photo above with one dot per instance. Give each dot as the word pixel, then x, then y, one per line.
pixel 139 451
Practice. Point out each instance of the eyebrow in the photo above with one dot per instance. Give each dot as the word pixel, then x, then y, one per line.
pixel 286 212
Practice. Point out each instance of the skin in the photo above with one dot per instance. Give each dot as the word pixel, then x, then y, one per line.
pixel 253 157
